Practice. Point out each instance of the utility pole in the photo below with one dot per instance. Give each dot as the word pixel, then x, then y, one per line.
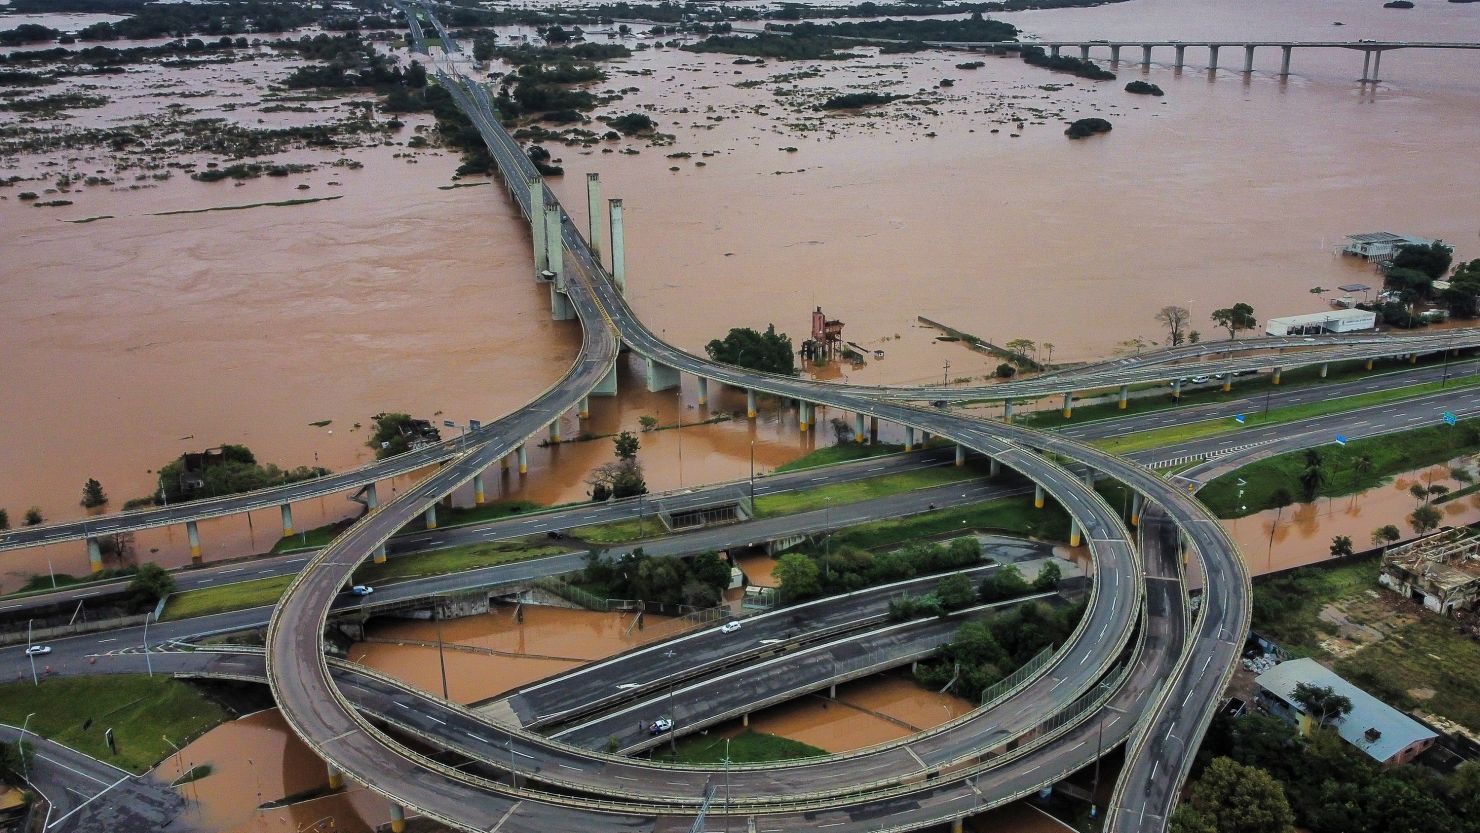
pixel 752 478
pixel 441 657
pixel 945 375
pixel 29 655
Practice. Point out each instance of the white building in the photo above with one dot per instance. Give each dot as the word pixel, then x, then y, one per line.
pixel 1381 731
pixel 1379 245
pixel 1317 323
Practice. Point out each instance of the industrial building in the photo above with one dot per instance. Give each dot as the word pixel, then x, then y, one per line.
pixel 1320 323
pixel 1441 571
pixel 1387 735
pixel 1379 246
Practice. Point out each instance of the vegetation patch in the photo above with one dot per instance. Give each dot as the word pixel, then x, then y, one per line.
pixel 748 747
pixel 1143 88
pixel 857 101
pixel 240 595
pixel 1084 128
pixel 1038 57
pixel 837 494
pixel 840 453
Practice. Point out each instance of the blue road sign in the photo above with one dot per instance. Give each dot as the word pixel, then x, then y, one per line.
pixel 1239 418
pixel 1340 440
pixel 1450 418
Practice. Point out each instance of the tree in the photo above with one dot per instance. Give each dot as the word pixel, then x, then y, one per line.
pixel 1463 295
pixel 1194 337
pixel 150 584
pixel 1278 500
pixel 1023 347
pixel 1005 583
pixel 1048 577
pixel 1384 535
pixel 647 422
pixel 1321 702
pixel 1420 494
pixel 711 569
pixel 770 351
pixel 797 576
pixel 1005 371
pixel 1240 316
pixel 619 478
pixel 1425 518
pixel 1362 466
pixel 1175 319
pixel 1239 799
pixel 1433 259
pixel 1311 481
pixel 15 761
pixel 1341 545
pixel 33 516
pixel 93 495
pixel 842 430
pixel 1048 353
pixel 626 445
pixel 955 591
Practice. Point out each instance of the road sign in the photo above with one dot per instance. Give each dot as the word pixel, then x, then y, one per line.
pixel 474 425
pixel 1239 418
pixel 447 423
pixel 1340 440
pixel 1450 418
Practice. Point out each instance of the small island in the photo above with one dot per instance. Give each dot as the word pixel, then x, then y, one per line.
pixel 1143 88
pixel 1087 127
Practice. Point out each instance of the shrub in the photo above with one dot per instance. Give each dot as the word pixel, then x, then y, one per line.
pixel 1087 127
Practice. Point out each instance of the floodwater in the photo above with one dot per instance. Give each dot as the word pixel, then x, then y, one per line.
pixel 1304 532
pixel 758 570
pixel 255 760
pixel 866 712
pixel 132 339
pixel 489 655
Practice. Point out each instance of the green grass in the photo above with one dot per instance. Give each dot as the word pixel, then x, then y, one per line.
pixel 311 539
pixel 837 494
pixel 227 597
pixel 1389 453
pixel 1287 604
pixel 453 560
pixel 1172 435
pixel 320 536
pixel 1464 491
pixel 620 532
pixel 1430 653
pixel 840 453
pixel 142 711
pixel 1006 515
pixel 745 748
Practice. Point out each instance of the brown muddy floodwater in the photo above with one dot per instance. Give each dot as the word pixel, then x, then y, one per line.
pixel 1304 532
pixel 132 339
pixel 255 760
pixel 866 712
pixel 489 655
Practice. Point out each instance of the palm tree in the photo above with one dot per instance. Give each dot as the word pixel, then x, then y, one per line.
pixel 1312 479
pixel 1278 500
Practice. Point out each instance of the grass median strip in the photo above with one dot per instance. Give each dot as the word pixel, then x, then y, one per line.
pixel 239 595
pixel 142 711
pixel 745 748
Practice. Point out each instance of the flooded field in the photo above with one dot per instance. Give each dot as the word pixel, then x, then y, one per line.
pixel 866 712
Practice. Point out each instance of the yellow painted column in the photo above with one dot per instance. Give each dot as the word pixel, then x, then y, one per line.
pixel 523 460
pixel 336 778
pixel 478 492
pixel 1125 395
pixel 287 513
pixel 1037 496
pixel 1276 379
pixel 1074 534
pixel 1068 405
pixel 1369 364
pixel 750 404
pixel 94 555
pixel 398 819
pixel 193 533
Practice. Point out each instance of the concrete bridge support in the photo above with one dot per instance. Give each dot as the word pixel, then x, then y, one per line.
pixel 523 459
pixel 479 493
pixel 1068 405
pixel 1084 52
pixel 192 531
pixel 1145 56
pixel 1369 364
pixel 873 429
pixel 958 825
pixel 909 438
pixel 503 462
pixel 1054 50
pixel 537 225
pixel 1136 509
pixel 398 815
pixel 555 244
pixel 583 410
pixel 286 510
pixel 619 247
pixel 1075 536
pixel 1181 59
pixel 336 778
pixel 560 307
pixel 1125 397
pixel 372 500
pixel 1176 389
pixel 1285 60
pixel 1376 66
pixel 1007 411
pixel 431 516
pixel 1413 358
pixel 1249 60
pixel 1037 495
pixel 703 391
pixel 858 435
pixel 805 415
pixel 660 377
pixel 749 403
pixel 1114 53
pixel 593 213
pixel 994 468
pixel 555 431
pixel 94 555
pixel 608 384
pixel 1212 59
pixel 960 455
pixel 1275 380
pixel 1325 368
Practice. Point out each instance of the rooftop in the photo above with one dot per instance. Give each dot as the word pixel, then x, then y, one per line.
pixel 1395 731
pixel 1384 237
pixel 1329 315
pixel 1447 560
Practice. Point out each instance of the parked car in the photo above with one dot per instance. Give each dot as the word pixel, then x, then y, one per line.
pixel 362 590
pixel 660 726
pixel 729 627
pixel 38 650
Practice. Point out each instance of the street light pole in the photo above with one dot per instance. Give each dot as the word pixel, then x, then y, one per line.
pixel 727 785
pixel 29 655
pixel 441 658
pixel 148 661
pixel 680 436
pixel 21 749
pixel 752 478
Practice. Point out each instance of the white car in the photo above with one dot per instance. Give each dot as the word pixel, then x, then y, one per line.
pixel 660 726
pixel 729 627
pixel 362 590
pixel 38 650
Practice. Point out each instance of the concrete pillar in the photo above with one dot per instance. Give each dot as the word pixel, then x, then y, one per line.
pixel 1227 382
pixel 960 455
pixel 478 492
pixel 372 499
pixel 593 213
pixel 873 429
pixel 1125 396
pixel 555 430
pixel 1068 405
pixel 1181 59
pixel 1074 534
pixel 1054 50
pixel 398 813
pixel 287 512
pixel 1276 379
pixel 1007 412
pixel 1325 368
pixel 608 384
pixel 431 516
pixel 1037 495
pixel 1176 389
pixel 1146 55
pixel 192 531
pixel 94 555
pixel 560 306
pixel 804 415
pixel 749 403
pixel 584 409
pixel 1212 57
pixel 1366 63
pixel 1115 53
pixel 1084 52
pixel 336 778
pixel 957 825
pixel 619 248
pixel 1369 364
pixel 523 459
pixel 555 244
pixel 1285 60
pixel 909 438
pixel 1249 59
pixel 1136 509
pixel 703 391
pixel 1412 357
pixel 661 377
pixel 924 438
pixel 503 463
pixel 858 436
pixel 995 468
pixel 745 719
pixel 537 225
pixel 832 691
pixel 1376 67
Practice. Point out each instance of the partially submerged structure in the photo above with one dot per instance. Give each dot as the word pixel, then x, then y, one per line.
pixel 1379 246
pixel 1440 571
